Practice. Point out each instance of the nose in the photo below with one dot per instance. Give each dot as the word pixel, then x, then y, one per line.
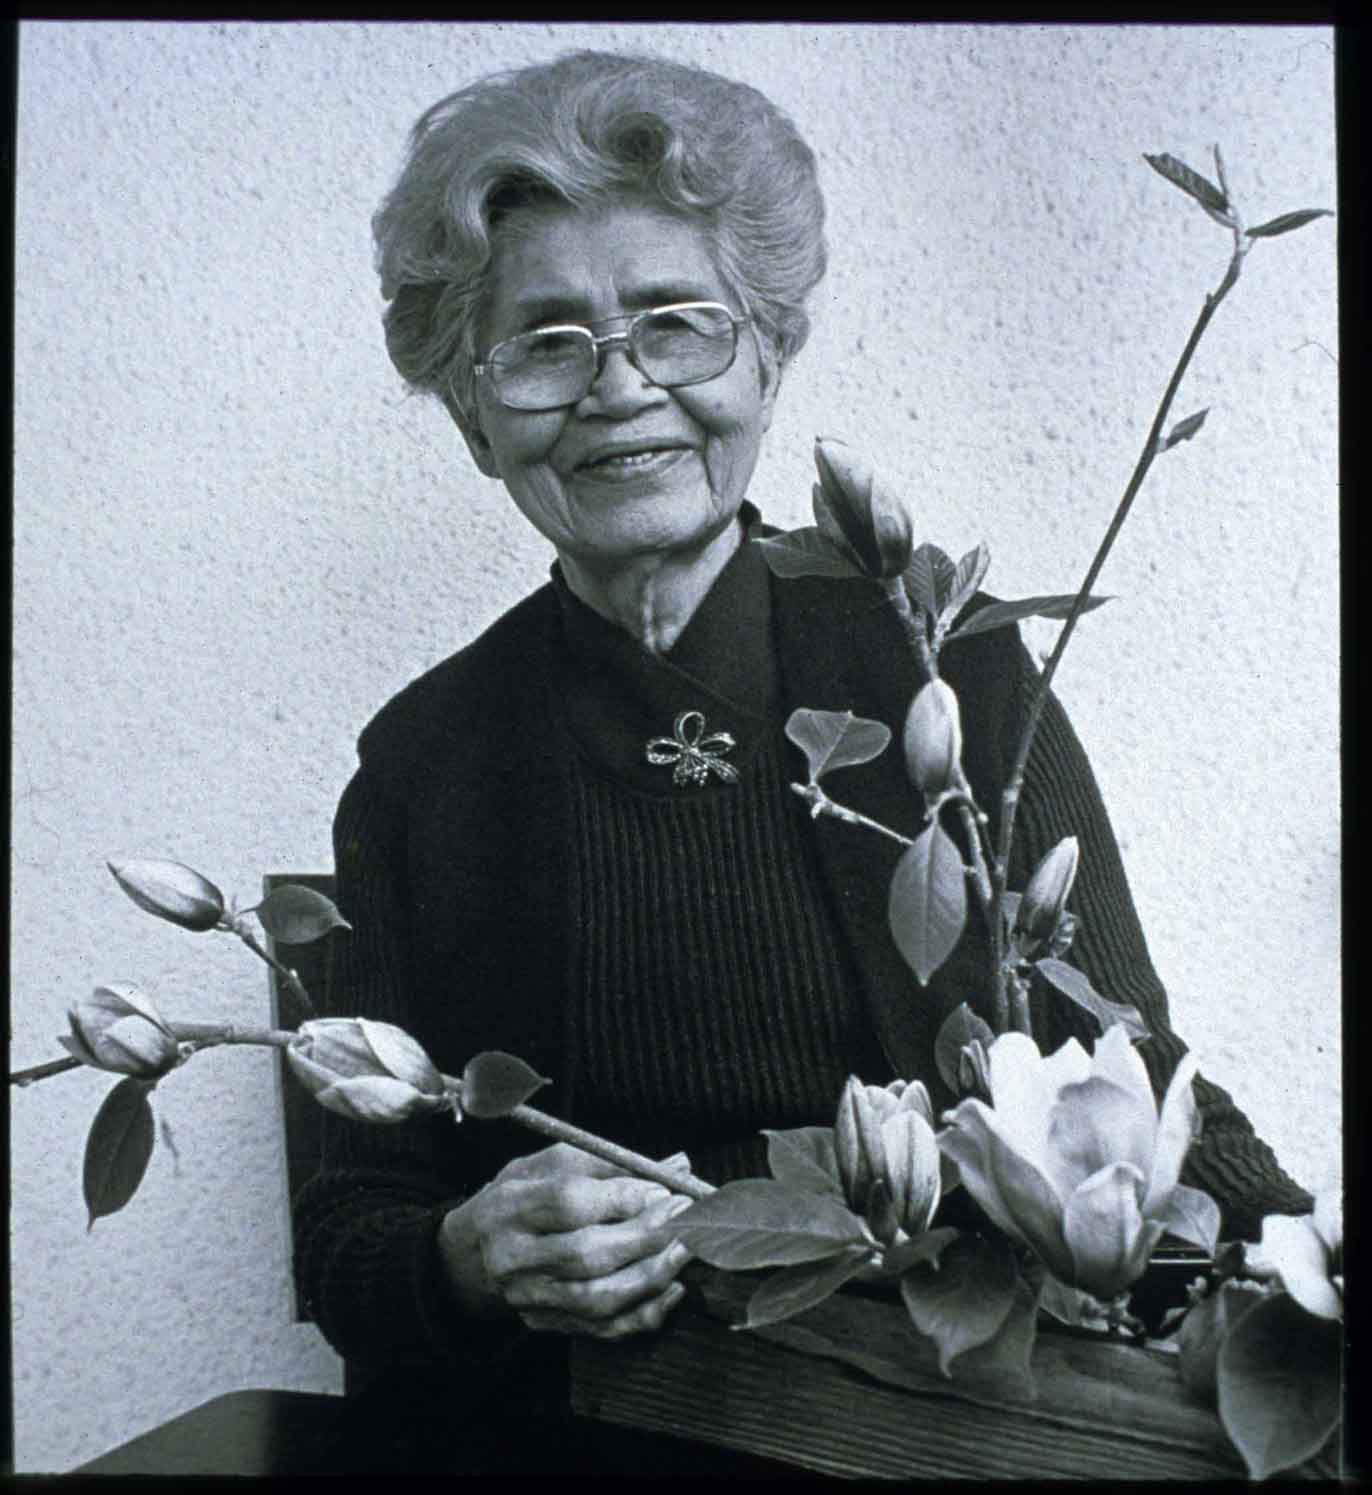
pixel 620 389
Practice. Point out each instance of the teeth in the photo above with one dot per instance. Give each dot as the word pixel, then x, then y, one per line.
pixel 629 459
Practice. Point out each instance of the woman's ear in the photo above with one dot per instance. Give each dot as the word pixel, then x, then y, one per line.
pixel 472 434
pixel 769 368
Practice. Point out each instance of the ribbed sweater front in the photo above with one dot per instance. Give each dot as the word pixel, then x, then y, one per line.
pixel 711 994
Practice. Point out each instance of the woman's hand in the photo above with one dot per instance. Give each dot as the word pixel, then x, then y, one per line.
pixel 570 1244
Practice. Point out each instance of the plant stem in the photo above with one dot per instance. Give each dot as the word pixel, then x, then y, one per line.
pixel 290 980
pixel 210 1035
pixel 917 635
pixel 821 804
pixel 201 1035
pixel 1151 446
pixel 42 1071
pixel 612 1152
pixel 1017 1000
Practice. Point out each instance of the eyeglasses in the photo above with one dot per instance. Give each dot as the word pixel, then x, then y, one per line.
pixel 685 343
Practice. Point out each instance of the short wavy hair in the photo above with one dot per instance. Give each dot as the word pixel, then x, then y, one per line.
pixel 591 129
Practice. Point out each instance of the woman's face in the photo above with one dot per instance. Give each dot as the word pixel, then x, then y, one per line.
pixel 686 455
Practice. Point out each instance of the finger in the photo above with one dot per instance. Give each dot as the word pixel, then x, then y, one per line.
pixel 593 1251
pixel 574 1203
pixel 642 1318
pixel 597 1299
pixel 559 1160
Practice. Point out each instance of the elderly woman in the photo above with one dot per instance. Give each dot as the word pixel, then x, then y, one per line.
pixel 600 266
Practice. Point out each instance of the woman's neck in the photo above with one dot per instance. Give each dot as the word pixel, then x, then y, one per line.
pixel 653 597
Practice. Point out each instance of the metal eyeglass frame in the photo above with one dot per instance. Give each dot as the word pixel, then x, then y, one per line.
pixel 600 341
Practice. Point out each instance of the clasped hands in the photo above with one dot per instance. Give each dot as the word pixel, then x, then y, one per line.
pixel 570 1244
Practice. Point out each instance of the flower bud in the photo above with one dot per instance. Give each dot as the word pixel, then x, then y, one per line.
pixel 864 1111
pixel 118 1029
pixel 974 1071
pixel 365 1070
pixel 911 1170
pixel 933 739
pixel 856 1139
pixel 860 513
pixel 172 891
pixel 1045 899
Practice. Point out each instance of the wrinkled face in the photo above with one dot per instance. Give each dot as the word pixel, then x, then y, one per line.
pixel 632 468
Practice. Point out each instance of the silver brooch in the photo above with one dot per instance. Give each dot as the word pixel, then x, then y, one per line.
pixel 692 755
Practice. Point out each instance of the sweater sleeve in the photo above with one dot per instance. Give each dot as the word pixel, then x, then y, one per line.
pixel 1060 798
pixel 366 1226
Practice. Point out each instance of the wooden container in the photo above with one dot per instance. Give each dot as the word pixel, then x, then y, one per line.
pixel 849 1389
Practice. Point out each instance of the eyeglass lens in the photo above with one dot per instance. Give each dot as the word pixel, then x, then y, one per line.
pixel 682 345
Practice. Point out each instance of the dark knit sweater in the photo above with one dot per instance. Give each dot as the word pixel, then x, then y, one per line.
pixel 689 963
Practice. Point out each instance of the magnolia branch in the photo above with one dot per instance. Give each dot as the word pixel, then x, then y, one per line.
pixel 1151 447
pixel 197 1035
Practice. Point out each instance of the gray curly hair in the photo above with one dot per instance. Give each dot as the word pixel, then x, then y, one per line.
pixel 589 129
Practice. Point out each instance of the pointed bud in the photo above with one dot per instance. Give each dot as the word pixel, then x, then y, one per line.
pixel 1045 899
pixel 974 1071
pixel 933 739
pixel 857 1143
pixel 365 1070
pixel 172 891
pixel 858 511
pixel 118 1029
pixel 911 1170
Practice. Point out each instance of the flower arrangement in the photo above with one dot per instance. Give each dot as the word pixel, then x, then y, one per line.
pixel 1071 1162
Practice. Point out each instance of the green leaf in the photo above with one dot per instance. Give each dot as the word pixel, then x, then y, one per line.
pixel 928 577
pixel 968 576
pixel 794 1289
pixel 1068 1304
pixel 1191 182
pixel 760 1222
pixel 835 739
pixel 965 1301
pixel 493 1084
pixel 807 552
pixel 959 1028
pixel 118 1148
pixel 804 1158
pixel 1279 1384
pixel 927 908
pixel 1001 614
pixel 1072 983
pixel 1192 1216
pixel 297 915
pixel 918 1250
pixel 1286 222
pixel 1184 430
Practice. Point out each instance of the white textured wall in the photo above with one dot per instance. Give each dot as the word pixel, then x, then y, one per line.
pixel 234 538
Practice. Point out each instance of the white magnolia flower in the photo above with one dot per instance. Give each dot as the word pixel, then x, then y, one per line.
pixel 1073 1159
pixel 1305 1254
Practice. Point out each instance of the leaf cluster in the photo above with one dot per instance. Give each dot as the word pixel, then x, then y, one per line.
pixel 963 1291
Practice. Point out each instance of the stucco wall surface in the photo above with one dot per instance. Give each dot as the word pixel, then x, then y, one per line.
pixel 235 537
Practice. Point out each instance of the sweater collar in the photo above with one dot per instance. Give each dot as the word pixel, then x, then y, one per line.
pixel 616 696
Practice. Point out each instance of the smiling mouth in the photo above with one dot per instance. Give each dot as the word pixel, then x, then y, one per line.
pixel 630 463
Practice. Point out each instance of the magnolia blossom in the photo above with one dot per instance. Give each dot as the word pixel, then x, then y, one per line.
pixel 172 891
pixel 117 1028
pixel 1073 1159
pixel 888 1157
pixel 933 739
pixel 859 513
pixel 366 1070
pixel 1304 1253
pixel 1045 897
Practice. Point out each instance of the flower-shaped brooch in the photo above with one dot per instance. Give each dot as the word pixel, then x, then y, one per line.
pixel 692 755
